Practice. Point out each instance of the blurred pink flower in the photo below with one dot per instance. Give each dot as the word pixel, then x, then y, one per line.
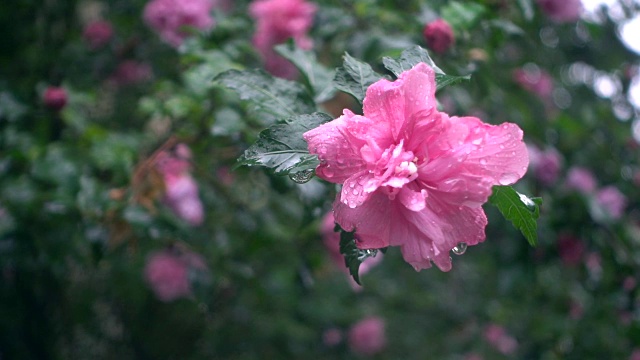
pixel 412 176
pixel 561 10
pixel 629 283
pixel 576 310
pixel 581 179
pixel 367 337
pixel 98 33
pixel 331 241
pixel 181 190
pixel 331 337
pixel 55 98
pixel 571 249
pixel 131 72
pixel 167 275
pixel 170 18
pixel 546 165
pixel 439 35
pixel 277 21
pixel 534 80
pixel 635 355
pixel 497 337
pixel 612 201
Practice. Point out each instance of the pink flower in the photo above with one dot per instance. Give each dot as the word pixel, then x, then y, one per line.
pixel 500 340
pixel 331 241
pixel 561 10
pixel 439 36
pixel 570 249
pixel 534 80
pixel 55 98
pixel 167 275
pixel 331 337
pixel 367 337
pixel 581 179
pixel 635 355
pixel 97 34
pixel 412 176
pixel 277 21
pixel 131 72
pixel 181 190
pixel 170 17
pixel 612 201
pixel 546 165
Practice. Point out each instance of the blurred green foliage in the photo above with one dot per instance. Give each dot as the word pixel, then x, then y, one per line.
pixel 81 208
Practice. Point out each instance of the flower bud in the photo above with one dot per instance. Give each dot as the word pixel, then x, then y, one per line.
pixel 439 36
pixel 97 34
pixel 55 98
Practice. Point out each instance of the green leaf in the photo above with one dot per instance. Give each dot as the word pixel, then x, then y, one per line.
pixel 520 209
pixel 462 16
pixel 318 77
pixel 271 98
pixel 354 77
pixel 415 55
pixel 282 148
pixel 353 256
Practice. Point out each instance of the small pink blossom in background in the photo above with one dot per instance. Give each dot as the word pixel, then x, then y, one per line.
pixel 534 80
pixel 635 355
pixel 629 283
pixel 331 337
pixel 576 310
pixel 55 98
pixel 170 18
pixel 561 10
pixel 278 21
pixel 593 262
pixel 571 249
pixel 131 72
pixel 581 179
pixel 439 36
pixel 331 241
pixel 181 190
pixel 368 337
pixel 497 337
pixel 412 176
pixel 473 356
pixel 612 201
pixel 546 165
pixel 98 33
pixel 167 275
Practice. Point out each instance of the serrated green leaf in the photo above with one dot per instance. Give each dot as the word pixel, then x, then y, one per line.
pixel 353 256
pixel 415 55
pixel 408 59
pixel 318 77
pixel 271 98
pixel 282 148
pixel 520 209
pixel 354 77
pixel 462 16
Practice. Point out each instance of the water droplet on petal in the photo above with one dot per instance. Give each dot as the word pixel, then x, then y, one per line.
pixel 508 178
pixel 302 177
pixel 460 248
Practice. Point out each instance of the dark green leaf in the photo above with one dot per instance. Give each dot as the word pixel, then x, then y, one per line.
pixel 318 77
pixel 521 210
pixel 462 16
pixel 354 77
pixel 353 256
pixel 415 55
pixel 271 98
pixel 282 148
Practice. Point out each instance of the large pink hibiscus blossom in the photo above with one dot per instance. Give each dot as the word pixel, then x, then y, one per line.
pixel 412 176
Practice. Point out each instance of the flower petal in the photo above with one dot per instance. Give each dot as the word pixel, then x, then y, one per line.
pixel 371 220
pixel 337 150
pixel 358 188
pixel 396 103
pixel 412 197
pixel 469 157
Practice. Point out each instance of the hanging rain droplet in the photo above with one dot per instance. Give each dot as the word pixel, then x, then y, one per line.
pixel 460 248
pixel 302 177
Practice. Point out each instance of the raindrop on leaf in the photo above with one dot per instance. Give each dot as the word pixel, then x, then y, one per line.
pixel 302 176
